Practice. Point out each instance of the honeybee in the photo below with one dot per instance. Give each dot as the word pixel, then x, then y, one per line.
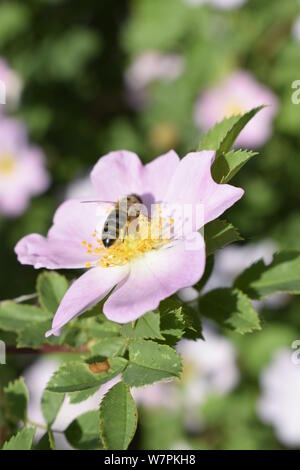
pixel 125 211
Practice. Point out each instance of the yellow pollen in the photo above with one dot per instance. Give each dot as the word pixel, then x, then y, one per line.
pixel 148 236
pixel 233 109
pixel 7 164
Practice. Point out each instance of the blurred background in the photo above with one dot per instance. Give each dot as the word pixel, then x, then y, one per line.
pixel 84 78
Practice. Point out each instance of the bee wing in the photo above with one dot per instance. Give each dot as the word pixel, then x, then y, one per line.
pixel 97 201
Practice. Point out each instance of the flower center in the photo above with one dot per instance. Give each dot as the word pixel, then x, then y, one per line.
pixel 134 241
pixel 233 108
pixel 189 371
pixel 7 164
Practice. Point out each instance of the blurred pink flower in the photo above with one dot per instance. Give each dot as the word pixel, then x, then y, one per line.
pixel 239 93
pixel 296 29
pixel 22 168
pixel 222 4
pixel 209 368
pixel 36 378
pixel 139 272
pixel 11 86
pixel 279 401
pixel 81 188
pixel 234 259
pixel 210 365
pixel 147 68
pixel 163 394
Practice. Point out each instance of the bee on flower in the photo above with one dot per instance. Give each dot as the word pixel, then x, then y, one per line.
pixel 140 270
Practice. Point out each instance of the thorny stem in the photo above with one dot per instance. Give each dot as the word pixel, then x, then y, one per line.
pixel 47 349
pixel 22 298
pixel 42 426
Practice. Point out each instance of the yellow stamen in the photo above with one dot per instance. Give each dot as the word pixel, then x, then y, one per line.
pixel 233 109
pixel 7 164
pixel 148 236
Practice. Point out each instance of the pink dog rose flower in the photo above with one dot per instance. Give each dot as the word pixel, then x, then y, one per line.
pixel 296 29
pixel 153 65
pixel 139 271
pixel 278 404
pixel 10 86
pixel 22 168
pixel 147 68
pixel 239 93
pixel 222 4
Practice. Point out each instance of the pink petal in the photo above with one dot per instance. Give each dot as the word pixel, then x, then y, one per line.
pixel 41 252
pixel 155 277
pixel 85 292
pixel 117 174
pixel 12 202
pixel 74 222
pixel 157 176
pixel 192 183
pixel 13 135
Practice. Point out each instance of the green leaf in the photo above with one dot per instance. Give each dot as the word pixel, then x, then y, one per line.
pixel 231 308
pixel 214 137
pixel 193 326
pixel 77 376
pixel 44 443
pixel 221 138
pixel 21 441
pixel 50 404
pixel 118 407
pixel 16 397
pixel 172 322
pixel 235 130
pixel 78 397
pixel 15 317
pixel 160 428
pixel 83 432
pixel 33 334
pixel 218 234
pixel 177 320
pixel 282 275
pixel 150 362
pixel 100 327
pixel 51 440
pixel 51 287
pixel 227 165
pixel 109 347
pixel 145 327
pixel 14 20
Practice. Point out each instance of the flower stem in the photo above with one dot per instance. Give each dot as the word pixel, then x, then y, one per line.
pixel 47 349
pixel 22 298
pixel 42 426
